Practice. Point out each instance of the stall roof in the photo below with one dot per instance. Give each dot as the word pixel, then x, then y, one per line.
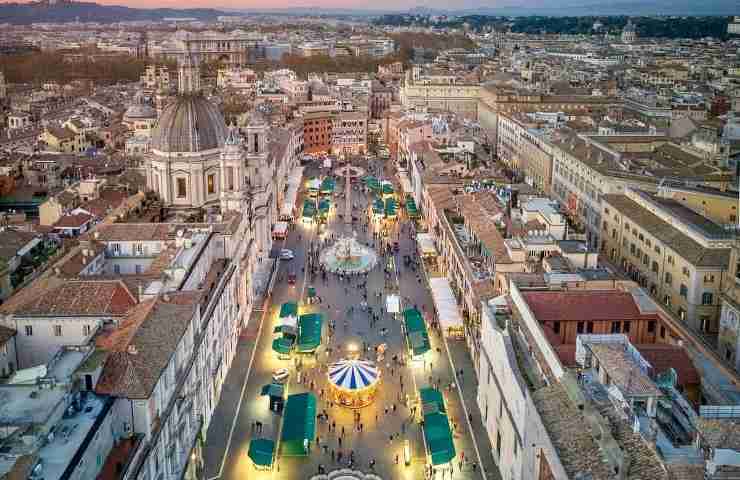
pixel 261 451
pixel 309 332
pixel 282 345
pixel 438 438
pixel 445 303
pixel 289 309
pixel 299 423
pixel 426 244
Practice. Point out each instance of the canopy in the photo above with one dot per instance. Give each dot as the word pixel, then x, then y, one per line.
pixel 282 345
pixel 438 437
pixel 432 396
pixel 372 183
pixel 309 209
pixel 416 331
pixel 324 206
pixel 289 315
pixel 393 304
pixel 445 303
pixel 309 332
pixel 411 207
pixel 291 196
pixel 273 390
pixel 311 292
pixel 378 207
pixel 289 309
pixel 328 185
pixel 390 207
pixel 426 244
pixel 388 188
pixel 261 451
pixel 353 374
pixel 299 424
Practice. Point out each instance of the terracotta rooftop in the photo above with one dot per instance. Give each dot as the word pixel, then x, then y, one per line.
pixel 590 305
pixel 73 221
pixel 143 345
pixel 98 298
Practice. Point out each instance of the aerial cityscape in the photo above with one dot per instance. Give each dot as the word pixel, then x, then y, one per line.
pixel 369 242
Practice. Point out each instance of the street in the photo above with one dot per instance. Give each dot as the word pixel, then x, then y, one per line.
pixel 383 426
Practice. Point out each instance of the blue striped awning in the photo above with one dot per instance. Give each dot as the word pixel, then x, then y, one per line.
pixel 353 374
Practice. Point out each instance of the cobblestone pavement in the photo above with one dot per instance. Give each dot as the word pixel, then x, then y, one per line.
pixel 386 424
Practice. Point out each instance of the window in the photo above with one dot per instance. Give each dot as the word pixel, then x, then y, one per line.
pixel 556 327
pixel 29 330
pixel 667 300
pixel 670 260
pixel 662 331
pixel 182 188
pixel 579 327
pixel 651 326
pixel 708 278
pixel 626 327
pixel 632 248
pixel 684 291
pixel 211 183
pixel 655 267
pixel 589 327
pixel 57 330
pixel 704 320
pixel 685 271
pixel 682 314
pixel 668 278
pixel 615 327
pixel 86 330
pixel 657 249
pixel 707 298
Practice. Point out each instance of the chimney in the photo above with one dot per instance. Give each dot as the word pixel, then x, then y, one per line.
pixel 131 349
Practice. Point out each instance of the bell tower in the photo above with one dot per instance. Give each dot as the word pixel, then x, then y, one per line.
pixel 259 180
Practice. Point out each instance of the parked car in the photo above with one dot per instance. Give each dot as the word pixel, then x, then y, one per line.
pixel 280 375
pixel 286 254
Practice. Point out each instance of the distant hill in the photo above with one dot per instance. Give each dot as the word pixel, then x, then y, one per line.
pixel 25 13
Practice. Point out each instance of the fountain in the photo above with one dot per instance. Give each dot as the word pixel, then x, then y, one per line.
pixel 347 255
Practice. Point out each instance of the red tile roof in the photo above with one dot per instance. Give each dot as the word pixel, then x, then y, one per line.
pixel 591 305
pixel 73 221
pixel 663 356
pixel 96 298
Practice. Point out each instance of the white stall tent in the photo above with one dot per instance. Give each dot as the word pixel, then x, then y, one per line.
pixel 445 303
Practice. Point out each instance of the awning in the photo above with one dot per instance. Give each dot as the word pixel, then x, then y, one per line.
pixel 261 451
pixel 426 244
pixel 388 188
pixel 299 424
pixel 273 390
pixel 309 332
pixel 378 207
pixel 309 209
pixel 328 185
pixel 282 345
pixel 445 303
pixel 289 309
pixel 324 206
pixel 391 207
pixel 438 438
pixel 393 304
pixel 417 336
pixel 432 396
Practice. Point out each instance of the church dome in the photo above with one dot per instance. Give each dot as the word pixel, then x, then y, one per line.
pixel 189 124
